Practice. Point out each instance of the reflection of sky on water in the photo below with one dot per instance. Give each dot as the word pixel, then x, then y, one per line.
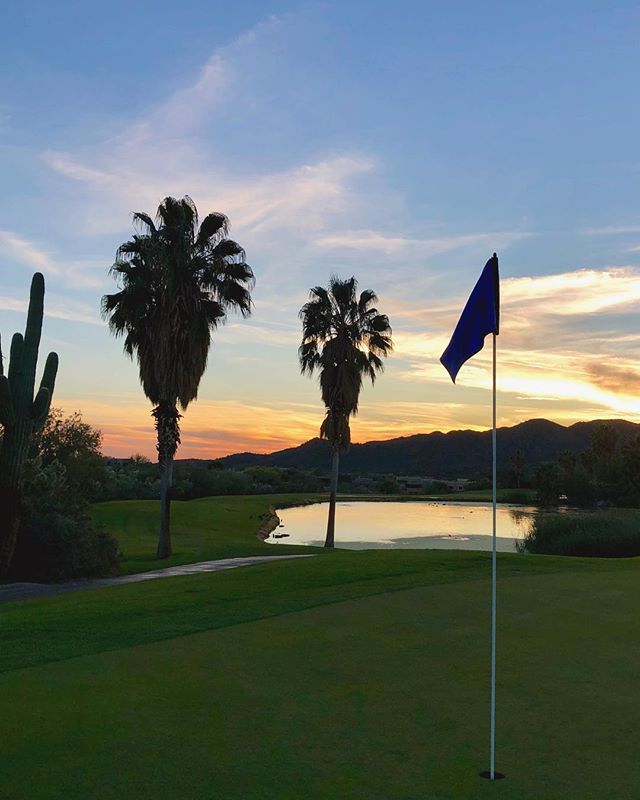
pixel 414 524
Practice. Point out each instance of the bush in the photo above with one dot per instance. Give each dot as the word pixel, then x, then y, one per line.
pixel 57 540
pixel 580 488
pixel 516 496
pixel 603 534
pixel 547 482
pixel 387 485
pixel 74 444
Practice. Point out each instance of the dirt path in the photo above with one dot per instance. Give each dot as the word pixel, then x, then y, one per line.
pixel 25 591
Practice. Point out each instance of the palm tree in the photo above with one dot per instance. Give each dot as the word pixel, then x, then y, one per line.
pixel 517 462
pixel 344 339
pixel 177 282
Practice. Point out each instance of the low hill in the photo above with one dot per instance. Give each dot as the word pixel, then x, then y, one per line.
pixel 444 455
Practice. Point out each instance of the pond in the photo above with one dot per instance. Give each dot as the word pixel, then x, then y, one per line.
pixel 416 524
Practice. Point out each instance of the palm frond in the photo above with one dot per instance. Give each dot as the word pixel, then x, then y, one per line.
pixel 213 227
pixel 145 222
pixel 344 339
pixel 177 283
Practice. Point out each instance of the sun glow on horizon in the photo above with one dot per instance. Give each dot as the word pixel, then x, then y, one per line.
pixel 553 361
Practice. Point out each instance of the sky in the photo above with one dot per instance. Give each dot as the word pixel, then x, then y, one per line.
pixel 400 143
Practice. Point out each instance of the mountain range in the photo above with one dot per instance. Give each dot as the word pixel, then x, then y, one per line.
pixel 456 454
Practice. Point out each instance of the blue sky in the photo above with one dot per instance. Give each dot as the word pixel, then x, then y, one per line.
pixel 401 143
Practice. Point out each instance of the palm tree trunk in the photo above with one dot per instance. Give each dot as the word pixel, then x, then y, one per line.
pixel 166 416
pixel 331 523
pixel 164 539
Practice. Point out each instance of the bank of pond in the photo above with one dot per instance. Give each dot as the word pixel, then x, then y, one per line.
pixel 464 526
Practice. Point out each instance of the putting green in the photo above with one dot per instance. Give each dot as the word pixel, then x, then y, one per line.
pixel 382 697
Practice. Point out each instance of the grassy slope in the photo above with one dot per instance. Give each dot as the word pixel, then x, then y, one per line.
pixel 350 675
pixel 214 527
pixel 38 631
pixel 375 686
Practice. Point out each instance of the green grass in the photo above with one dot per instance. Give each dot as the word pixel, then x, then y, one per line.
pixel 349 675
pixel 201 530
pixel 353 674
pixel 524 496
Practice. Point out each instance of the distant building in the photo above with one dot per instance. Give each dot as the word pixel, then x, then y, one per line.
pixel 413 484
pixel 459 485
pixel 364 482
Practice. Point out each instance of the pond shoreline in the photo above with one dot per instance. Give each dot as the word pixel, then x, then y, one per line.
pixel 272 520
pixel 415 523
pixel 394 498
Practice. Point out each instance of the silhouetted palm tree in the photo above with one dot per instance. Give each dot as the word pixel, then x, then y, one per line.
pixel 344 339
pixel 517 463
pixel 177 281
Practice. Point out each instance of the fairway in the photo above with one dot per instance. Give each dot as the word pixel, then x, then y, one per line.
pixel 350 676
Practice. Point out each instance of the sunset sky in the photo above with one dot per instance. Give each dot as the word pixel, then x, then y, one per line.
pixel 398 142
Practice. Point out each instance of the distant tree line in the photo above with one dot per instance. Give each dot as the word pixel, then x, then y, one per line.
pixel 606 473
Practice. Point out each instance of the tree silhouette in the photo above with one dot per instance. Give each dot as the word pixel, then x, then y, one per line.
pixel 344 339
pixel 177 282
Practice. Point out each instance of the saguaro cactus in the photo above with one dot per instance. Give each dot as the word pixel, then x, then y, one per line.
pixel 21 415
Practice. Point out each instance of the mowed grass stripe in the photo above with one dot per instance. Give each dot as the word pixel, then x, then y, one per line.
pixel 49 629
pixel 379 697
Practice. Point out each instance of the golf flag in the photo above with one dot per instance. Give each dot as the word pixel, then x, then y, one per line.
pixel 480 316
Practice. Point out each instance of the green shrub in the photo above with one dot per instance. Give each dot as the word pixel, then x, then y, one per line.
pixel 547 482
pixel 57 539
pixel 518 496
pixel 604 534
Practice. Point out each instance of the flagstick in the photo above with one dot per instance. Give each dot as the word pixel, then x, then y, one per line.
pixel 493 583
pixel 491 773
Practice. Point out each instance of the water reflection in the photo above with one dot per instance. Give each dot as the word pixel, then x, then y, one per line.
pixel 520 516
pixel 414 524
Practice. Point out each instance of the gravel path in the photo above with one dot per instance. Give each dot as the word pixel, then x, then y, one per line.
pixel 25 591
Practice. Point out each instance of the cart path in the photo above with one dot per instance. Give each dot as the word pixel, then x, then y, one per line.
pixel 26 591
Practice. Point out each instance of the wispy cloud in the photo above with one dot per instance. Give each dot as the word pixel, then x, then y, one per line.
pixel 298 200
pixel 393 245
pixel 68 310
pixel 581 291
pixel 16 248
pixel 620 376
pixel 611 230
pixel 171 150
pixel 543 353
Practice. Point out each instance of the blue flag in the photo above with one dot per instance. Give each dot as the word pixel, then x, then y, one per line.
pixel 481 316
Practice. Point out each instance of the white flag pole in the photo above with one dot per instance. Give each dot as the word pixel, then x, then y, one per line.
pixel 491 772
pixel 493 583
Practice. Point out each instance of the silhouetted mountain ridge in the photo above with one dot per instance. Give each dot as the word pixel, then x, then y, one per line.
pixel 456 454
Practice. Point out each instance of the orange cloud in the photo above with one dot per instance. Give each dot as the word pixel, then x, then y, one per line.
pixel 562 354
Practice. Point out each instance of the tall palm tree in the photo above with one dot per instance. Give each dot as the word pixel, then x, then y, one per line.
pixel 177 282
pixel 344 339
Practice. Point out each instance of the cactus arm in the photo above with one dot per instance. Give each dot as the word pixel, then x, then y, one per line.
pixel 7 417
pixel 32 335
pixel 1 360
pixel 15 360
pixel 40 407
pixel 50 371
pixel 42 402
pixel 34 321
